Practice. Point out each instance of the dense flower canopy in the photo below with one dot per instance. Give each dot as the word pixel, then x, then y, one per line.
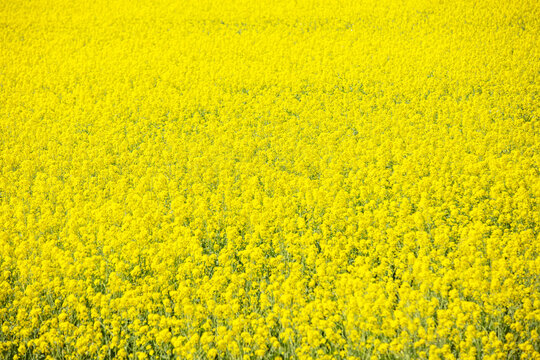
pixel 334 179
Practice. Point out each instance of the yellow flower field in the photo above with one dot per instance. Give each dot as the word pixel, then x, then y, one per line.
pixel 309 179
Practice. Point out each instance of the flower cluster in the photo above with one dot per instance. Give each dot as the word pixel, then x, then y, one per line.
pixel 282 179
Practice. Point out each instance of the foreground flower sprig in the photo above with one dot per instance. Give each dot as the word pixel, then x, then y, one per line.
pixel 269 179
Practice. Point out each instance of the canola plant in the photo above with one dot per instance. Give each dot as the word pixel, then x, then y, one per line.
pixel 339 179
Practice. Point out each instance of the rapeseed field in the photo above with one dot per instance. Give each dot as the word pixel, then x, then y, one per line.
pixel 300 179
